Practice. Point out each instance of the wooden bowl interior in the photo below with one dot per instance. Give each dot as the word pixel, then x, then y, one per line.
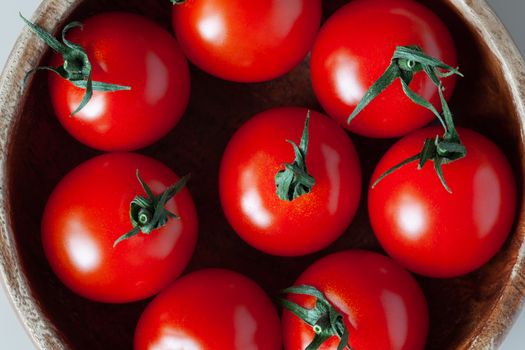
pixel 41 153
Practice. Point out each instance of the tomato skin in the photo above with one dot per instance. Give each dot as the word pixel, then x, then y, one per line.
pixel 211 309
pixel 343 67
pixel 246 41
pixel 130 50
pixel 89 209
pixel 382 305
pixel 257 152
pixel 436 233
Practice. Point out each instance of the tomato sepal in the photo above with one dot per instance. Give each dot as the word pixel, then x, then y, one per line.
pixel 439 150
pixel 324 319
pixel 294 180
pixel 407 61
pixel 149 213
pixel 76 67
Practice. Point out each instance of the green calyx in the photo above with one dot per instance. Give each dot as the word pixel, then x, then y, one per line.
pixel 148 213
pixel 407 61
pixel 177 2
pixel 439 150
pixel 324 319
pixel 294 181
pixel 76 67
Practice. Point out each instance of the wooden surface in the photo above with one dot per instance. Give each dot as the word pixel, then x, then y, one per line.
pixel 471 312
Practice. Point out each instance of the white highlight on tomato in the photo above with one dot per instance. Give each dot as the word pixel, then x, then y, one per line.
pixel 83 251
pixel 332 162
pixel 175 340
pixel 396 318
pixel 245 329
pixel 252 204
pixel 411 218
pixel 285 12
pixel 212 28
pixel 346 310
pixel 346 77
pixel 157 81
pixel 161 244
pixel 93 110
pixel 104 66
pixel 487 200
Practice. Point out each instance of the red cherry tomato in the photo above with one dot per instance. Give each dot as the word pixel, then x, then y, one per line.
pixel 355 47
pixel 381 304
pixel 210 309
pixel 247 187
pixel 89 210
pixel 246 41
pixel 129 50
pixel 431 231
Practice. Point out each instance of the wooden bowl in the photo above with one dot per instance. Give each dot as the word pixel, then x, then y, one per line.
pixel 471 312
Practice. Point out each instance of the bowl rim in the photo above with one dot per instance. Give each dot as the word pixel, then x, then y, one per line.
pixel 491 331
pixel 27 53
pixel 29 50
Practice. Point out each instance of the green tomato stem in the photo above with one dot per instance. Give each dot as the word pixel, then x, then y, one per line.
pixel 294 180
pixel 76 67
pixel 407 61
pixel 148 213
pixel 324 319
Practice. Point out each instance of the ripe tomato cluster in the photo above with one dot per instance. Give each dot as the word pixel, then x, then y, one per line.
pixel 122 227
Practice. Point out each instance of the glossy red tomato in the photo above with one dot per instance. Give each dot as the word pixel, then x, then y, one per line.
pixel 431 231
pixel 381 304
pixel 244 40
pixel 247 186
pixel 130 50
pixel 355 47
pixel 210 309
pixel 90 208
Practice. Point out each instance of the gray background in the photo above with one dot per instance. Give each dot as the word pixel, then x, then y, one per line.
pixel 12 334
